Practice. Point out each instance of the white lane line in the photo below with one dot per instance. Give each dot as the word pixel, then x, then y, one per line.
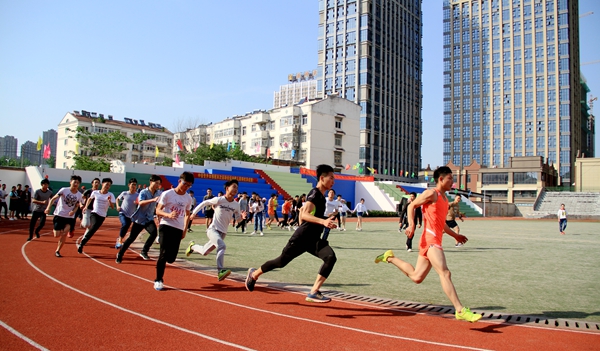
pixel 130 311
pixel 22 337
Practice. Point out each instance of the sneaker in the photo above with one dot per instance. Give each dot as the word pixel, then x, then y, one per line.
pixel 383 257
pixel 37 235
pixel 399 230
pixel 458 244
pixel 289 228
pixel 190 230
pixel 29 239
pixel 118 244
pixel 158 285
pixel 144 255
pixel 119 259
pixel 189 249
pixel 467 315
pixel 223 273
pixel 70 235
pixel 254 232
pixel 249 280
pixel 236 230
pixel 317 297
pixel 80 249
pixel 57 254
pixel 409 250
pixel 261 233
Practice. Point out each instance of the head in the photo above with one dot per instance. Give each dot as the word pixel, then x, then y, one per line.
pixel 191 192
pixel 18 186
pixel 331 194
pixel 13 188
pixel 325 176
pixel 362 201
pixel 95 183
pixel 457 199
pixel 412 196
pixel 186 180
pixel 3 186
pixel 75 181
pixel 443 177
pixel 133 185
pixel 155 182
pixel 209 191
pixel 562 206
pixel 106 183
pixel 26 187
pixel 231 188
pixel 45 183
pixel 273 196
pixel 220 193
pixel 339 197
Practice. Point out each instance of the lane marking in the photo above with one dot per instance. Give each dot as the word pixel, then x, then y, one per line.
pixel 158 321
pixel 22 337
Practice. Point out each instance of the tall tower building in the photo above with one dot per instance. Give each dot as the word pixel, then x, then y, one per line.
pixel 8 146
pixel 512 82
pixel 370 53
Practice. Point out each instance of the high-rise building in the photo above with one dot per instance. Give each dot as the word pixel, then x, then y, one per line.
pixel 512 82
pixel 8 146
pixel 370 53
pixel 29 152
pixel 301 87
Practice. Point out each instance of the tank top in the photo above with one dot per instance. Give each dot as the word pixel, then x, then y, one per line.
pixel 434 215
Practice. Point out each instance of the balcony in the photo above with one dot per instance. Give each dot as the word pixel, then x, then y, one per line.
pixel 261 117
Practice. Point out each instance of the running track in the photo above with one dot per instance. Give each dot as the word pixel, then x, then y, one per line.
pixel 88 301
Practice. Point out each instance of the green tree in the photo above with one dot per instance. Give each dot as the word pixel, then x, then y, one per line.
pixel 218 153
pixel 51 161
pixel 97 150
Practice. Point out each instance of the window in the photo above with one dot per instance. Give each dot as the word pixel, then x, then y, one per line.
pixel 338 140
pixel 525 178
pixel 494 178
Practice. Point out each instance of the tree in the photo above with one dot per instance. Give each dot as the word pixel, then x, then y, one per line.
pixel 51 161
pixel 99 149
pixel 218 153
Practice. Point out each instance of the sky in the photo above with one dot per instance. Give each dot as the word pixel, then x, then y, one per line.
pixel 187 61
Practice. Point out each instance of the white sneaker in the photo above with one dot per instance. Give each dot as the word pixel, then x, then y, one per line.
pixel 236 230
pixel 458 244
pixel 409 250
pixel 254 232
pixel 158 285
pixel 261 234
pixel 344 229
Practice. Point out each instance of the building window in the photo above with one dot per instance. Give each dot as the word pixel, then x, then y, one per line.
pixel 338 140
pixel 337 158
pixel 525 178
pixel 494 178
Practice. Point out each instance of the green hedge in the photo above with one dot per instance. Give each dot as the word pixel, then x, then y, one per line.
pixel 378 214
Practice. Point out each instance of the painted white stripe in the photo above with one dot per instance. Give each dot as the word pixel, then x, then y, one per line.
pixel 130 311
pixel 23 337
pixel 431 232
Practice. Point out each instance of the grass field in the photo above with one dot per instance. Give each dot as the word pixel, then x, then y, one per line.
pixel 508 266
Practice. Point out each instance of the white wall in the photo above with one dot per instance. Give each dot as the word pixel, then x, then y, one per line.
pixel 12 177
pixel 375 199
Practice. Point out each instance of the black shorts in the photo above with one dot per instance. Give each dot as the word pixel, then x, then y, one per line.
pixel 61 222
pixel 209 213
pixel 452 224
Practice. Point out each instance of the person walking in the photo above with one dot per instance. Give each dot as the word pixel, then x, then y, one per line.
pixel 209 212
pixel 562 219
pixel 69 199
pixel 360 210
pixel 3 205
pixel 258 210
pixel 103 199
pixel 40 202
pixel 431 253
pixel 243 207
pixel 307 238
pixel 128 206
pixel 225 208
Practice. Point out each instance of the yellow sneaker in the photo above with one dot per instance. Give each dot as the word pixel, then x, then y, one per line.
pixel 189 249
pixel 384 257
pixel 467 315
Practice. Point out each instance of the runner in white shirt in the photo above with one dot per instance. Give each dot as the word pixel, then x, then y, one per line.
pixel 103 199
pixel 331 210
pixel 343 214
pixel 360 209
pixel 69 200
pixel 174 208
pixel 225 207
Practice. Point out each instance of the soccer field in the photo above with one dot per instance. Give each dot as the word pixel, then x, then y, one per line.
pixel 508 266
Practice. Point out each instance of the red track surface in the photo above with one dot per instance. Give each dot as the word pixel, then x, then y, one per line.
pixel 90 302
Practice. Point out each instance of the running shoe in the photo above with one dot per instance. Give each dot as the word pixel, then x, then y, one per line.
pixel 249 280
pixel 118 244
pixel 119 259
pixel 70 235
pixel 144 255
pixel 467 315
pixel 80 249
pixel 254 232
pixel 458 244
pixel 384 257
pixel 317 297
pixel 261 233
pixel 158 285
pixel 189 249
pixel 57 254
pixel 223 273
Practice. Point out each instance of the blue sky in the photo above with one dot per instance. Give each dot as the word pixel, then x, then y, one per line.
pixel 186 60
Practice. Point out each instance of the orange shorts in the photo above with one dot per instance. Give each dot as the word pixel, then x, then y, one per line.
pixel 429 239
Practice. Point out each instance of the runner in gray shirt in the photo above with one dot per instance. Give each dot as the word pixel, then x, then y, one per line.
pixel 40 202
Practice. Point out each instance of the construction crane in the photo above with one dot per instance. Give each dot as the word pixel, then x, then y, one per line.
pixel 590 62
pixel 586 14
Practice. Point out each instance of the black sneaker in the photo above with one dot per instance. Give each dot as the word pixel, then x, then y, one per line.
pixel 119 259
pixel 144 256
pixel 29 239
pixel 57 254
pixel 37 235
pixel 80 249
pixel 249 280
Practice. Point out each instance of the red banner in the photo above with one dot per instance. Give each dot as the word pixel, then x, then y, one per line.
pixel 313 173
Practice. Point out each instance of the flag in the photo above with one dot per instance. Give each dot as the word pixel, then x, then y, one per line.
pixel 229 146
pixel 233 144
pixel 268 152
pixel 432 179
pixel 293 153
pixel 211 144
pixel 196 148
pixel 469 192
pixel 401 172
pixel 177 160
pixel 278 153
pixel 374 171
pixel 455 191
pixel 179 145
pixel 354 167
pixel 393 171
pixel 426 174
pixel 347 166
pixel 406 174
pixel 47 151
pixel 39 144
pixel 155 151
pixel 413 174
pixel 462 187
pixel 426 178
pixel 76 147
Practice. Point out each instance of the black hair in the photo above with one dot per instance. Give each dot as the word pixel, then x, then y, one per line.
pixel 45 181
pixel 76 177
pixel 273 195
pixel 231 181
pixel 331 190
pixel 191 191
pixel 154 178
pixel 98 179
pixel 323 169
pixel 413 193
pixel 244 193
pixel 207 189
pixel 441 172
pixel 105 180
pixel 132 180
pixel 187 177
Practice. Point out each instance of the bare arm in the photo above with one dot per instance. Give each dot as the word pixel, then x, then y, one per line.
pixel 426 197
pixel 54 198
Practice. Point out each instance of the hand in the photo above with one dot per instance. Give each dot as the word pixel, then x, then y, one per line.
pixel 71 213
pixel 329 223
pixel 119 208
pixel 184 232
pixel 419 225
pixel 47 211
pixel 172 215
pixel 410 231
pixel 461 238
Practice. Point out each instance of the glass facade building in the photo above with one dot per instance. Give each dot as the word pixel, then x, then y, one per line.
pixel 512 82
pixel 370 53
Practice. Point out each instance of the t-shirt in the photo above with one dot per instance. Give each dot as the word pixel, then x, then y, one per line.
pixel 128 205
pixel 287 207
pixel 243 204
pixel 315 196
pixel 331 206
pixel 360 207
pixel 41 196
pixel 174 202
pixel 2 193
pixel 86 195
pixel 101 202
pixel 145 214
pixel 66 202
pixel 224 211
pixel 562 214
pixel 208 197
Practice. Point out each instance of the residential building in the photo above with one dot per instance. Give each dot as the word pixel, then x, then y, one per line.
pixel 161 138
pixel 588 123
pixel 8 146
pixel 308 134
pixel 370 53
pixel 302 86
pixel 30 152
pixel 512 82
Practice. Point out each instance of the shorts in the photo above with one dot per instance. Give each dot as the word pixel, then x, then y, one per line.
pixel 359 214
pixel 429 239
pixel 452 224
pixel 209 213
pixel 61 222
pixel 271 213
